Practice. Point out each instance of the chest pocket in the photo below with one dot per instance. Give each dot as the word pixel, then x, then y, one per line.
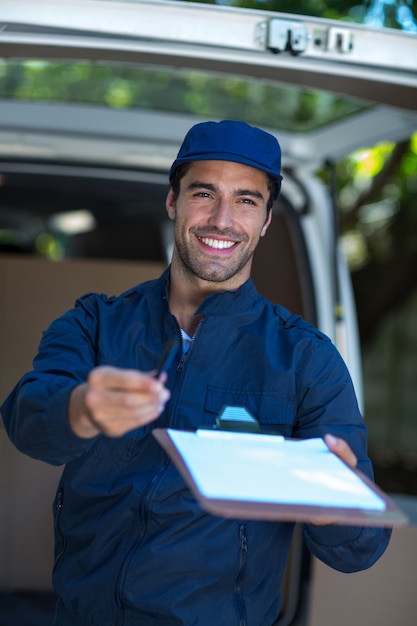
pixel 274 411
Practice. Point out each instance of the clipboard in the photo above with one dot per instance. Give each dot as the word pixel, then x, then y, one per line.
pixel 259 476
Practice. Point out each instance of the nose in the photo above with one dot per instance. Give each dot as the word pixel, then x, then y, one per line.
pixel 222 214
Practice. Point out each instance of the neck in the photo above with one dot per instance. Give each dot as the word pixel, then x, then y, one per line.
pixel 187 292
pixel 184 300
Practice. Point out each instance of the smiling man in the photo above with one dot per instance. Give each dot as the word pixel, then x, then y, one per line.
pixel 132 544
pixel 218 224
pixel 217 228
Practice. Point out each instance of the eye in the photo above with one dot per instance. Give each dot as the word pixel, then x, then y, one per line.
pixel 202 196
pixel 249 202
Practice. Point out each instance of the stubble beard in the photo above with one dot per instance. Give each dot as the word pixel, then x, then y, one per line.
pixel 211 270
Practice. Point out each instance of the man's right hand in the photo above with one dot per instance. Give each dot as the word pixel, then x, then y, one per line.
pixel 115 401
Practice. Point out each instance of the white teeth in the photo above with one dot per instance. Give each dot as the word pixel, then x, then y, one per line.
pixel 217 243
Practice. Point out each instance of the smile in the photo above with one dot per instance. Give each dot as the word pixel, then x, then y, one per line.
pixel 219 244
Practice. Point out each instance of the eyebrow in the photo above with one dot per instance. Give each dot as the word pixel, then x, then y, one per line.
pixel 197 184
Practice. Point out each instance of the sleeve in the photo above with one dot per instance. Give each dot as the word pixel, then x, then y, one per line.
pixel 327 404
pixel 35 412
pixel 346 548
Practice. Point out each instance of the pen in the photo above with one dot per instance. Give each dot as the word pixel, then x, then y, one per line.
pixel 168 355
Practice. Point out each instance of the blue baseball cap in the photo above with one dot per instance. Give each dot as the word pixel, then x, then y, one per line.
pixel 231 140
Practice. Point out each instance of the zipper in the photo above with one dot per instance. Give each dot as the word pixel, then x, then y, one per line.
pixel 143 517
pixel 177 399
pixel 185 356
pixel 146 498
pixel 243 557
pixel 58 534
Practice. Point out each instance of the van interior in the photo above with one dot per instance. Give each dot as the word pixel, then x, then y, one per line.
pixel 82 208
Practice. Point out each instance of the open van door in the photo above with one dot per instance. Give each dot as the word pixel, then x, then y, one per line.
pixel 95 98
pixel 361 82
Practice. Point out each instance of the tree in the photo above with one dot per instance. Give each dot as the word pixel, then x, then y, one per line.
pixel 384 218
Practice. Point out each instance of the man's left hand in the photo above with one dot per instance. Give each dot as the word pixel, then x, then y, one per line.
pixel 341 449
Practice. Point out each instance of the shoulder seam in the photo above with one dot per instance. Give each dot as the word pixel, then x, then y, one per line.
pixel 291 320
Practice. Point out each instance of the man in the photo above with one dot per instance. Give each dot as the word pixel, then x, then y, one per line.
pixel 132 544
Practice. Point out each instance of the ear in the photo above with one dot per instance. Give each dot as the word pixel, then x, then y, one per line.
pixel 267 223
pixel 170 205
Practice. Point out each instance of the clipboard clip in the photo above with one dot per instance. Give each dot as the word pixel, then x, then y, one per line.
pixel 237 419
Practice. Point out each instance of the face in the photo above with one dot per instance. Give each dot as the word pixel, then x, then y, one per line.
pixel 219 216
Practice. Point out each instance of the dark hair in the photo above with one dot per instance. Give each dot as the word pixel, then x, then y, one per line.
pixel 273 185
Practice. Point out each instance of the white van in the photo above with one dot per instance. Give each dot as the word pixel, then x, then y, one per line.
pixel 95 98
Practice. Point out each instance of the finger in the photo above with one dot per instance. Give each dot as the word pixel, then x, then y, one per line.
pixel 116 427
pixel 342 449
pixel 122 404
pixel 105 377
pixel 116 420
